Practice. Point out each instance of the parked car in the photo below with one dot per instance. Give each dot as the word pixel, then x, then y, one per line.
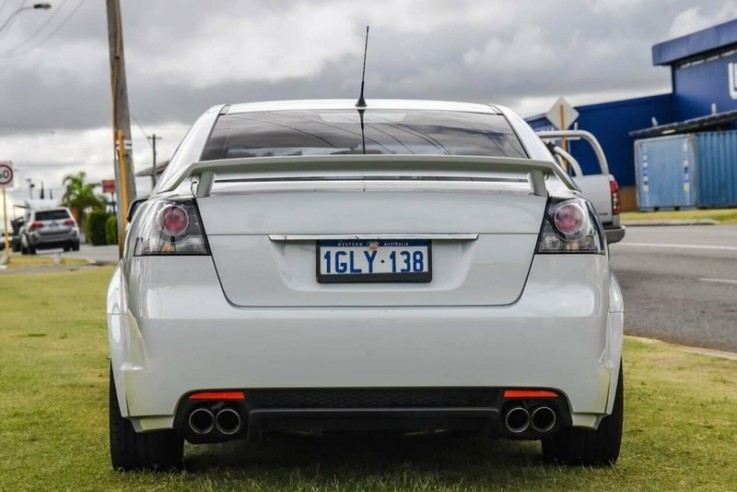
pixel 601 188
pixel 47 228
pixel 311 266
pixel 16 225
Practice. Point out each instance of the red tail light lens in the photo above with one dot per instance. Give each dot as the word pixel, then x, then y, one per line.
pixel 168 227
pixel 569 219
pixel 173 220
pixel 616 202
pixel 571 226
pixel 69 222
pixel 36 225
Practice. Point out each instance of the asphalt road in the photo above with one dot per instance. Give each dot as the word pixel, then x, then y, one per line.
pixel 680 284
pixel 100 254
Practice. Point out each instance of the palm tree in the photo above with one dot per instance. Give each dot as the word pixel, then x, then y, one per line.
pixel 80 196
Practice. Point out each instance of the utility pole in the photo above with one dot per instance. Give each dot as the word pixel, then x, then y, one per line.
pixel 153 139
pixel 124 177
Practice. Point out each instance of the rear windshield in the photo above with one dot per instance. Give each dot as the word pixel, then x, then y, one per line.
pixel 291 133
pixel 52 214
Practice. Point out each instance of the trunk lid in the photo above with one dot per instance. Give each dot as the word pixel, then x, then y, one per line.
pixel 263 237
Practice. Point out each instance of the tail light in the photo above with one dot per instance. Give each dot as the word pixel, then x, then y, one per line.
pixel 571 226
pixel 170 228
pixel 36 225
pixel 616 202
pixel 69 222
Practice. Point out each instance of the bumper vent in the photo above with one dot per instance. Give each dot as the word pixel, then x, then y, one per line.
pixel 373 398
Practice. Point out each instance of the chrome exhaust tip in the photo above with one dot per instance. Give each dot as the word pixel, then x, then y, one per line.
pixel 228 421
pixel 201 421
pixel 517 420
pixel 543 419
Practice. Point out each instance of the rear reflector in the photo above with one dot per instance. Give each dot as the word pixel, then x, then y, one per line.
pixel 616 200
pixel 222 395
pixel 529 394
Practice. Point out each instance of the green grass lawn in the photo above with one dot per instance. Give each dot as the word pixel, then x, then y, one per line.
pixel 22 261
pixel 723 216
pixel 680 427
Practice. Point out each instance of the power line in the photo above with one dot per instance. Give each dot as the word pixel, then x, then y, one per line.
pixel 51 34
pixel 146 137
pixel 46 22
pixel 2 6
pixel 11 19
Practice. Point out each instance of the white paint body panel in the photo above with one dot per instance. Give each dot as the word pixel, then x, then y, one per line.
pixel 252 315
pixel 490 270
pixel 180 334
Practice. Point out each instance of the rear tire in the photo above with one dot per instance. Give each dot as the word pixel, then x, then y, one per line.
pixel 75 246
pixel 574 446
pixel 129 450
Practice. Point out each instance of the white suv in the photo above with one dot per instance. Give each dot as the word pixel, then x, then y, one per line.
pixel 47 229
pixel 311 266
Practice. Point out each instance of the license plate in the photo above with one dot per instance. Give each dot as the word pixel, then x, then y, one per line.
pixel 374 261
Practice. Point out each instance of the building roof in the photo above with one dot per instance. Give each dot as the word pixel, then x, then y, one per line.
pixel 148 171
pixel 692 125
pixel 696 43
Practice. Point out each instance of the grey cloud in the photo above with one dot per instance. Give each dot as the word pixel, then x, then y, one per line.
pixel 473 50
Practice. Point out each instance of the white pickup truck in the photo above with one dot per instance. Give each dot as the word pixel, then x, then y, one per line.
pixel 602 189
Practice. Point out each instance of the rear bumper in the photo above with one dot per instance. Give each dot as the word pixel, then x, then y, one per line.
pixel 180 335
pixel 52 240
pixel 614 234
pixel 385 409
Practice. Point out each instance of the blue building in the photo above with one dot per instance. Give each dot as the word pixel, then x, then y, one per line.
pixel 703 99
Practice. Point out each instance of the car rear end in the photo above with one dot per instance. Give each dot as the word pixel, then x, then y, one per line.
pixel 53 228
pixel 336 292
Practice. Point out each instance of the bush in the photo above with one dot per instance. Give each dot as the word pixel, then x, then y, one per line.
pixel 111 230
pixel 96 222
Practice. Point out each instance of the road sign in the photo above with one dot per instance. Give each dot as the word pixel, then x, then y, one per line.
pixel 6 181
pixel 108 186
pixel 6 174
pixel 562 114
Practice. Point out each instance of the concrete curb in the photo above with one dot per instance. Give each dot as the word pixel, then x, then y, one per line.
pixel 672 222
pixel 719 354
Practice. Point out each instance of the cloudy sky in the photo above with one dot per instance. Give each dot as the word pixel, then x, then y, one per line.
pixel 186 55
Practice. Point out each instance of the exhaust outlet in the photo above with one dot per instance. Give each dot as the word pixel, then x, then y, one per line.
pixel 201 421
pixel 517 420
pixel 228 421
pixel 543 419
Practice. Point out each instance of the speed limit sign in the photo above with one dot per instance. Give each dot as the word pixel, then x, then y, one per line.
pixel 6 174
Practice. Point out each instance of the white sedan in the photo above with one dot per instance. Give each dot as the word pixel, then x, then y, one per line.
pixel 311 266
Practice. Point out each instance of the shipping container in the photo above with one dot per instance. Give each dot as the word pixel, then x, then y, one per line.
pixel 663 172
pixel 687 171
pixel 717 169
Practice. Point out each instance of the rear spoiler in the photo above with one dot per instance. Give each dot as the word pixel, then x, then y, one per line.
pixel 342 166
pixel 577 135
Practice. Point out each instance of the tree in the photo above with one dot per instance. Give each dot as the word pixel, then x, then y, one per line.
pixel 80 196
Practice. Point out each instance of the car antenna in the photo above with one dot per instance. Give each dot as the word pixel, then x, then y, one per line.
pixel 361 103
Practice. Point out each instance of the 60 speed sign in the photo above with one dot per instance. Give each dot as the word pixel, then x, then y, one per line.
pixel 6 174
